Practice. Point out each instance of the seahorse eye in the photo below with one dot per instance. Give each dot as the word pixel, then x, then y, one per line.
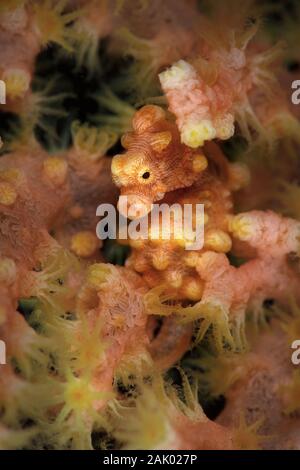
pixel 146 175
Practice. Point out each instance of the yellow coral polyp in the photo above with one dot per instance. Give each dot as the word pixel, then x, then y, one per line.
pixel 55 169
pixel 48 284
pixel 17 82
pixel 191 259
pixel 80 398
pixel 97 274
pixel 199 163
pixel 85 244
pixel 175 279
pixel 246 437
pixel 218 241
pixel 241 226
pixel 8 194
pixel 160 260
pixel 12 175
pixel 212 315
pixel 90 142
pixel 52 24
pixel 156 302
pixel 193 289
pixel 194 134
pixel 145 424
pixel 79 395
